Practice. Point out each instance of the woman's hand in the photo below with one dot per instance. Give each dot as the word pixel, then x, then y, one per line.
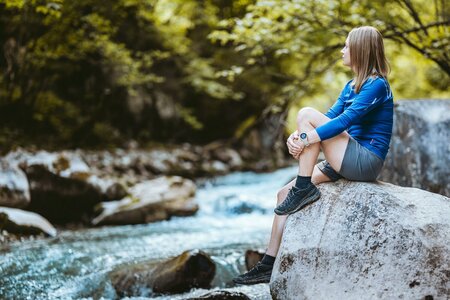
pixel 294 145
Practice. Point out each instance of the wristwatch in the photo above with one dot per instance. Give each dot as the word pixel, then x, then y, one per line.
pixel 304 138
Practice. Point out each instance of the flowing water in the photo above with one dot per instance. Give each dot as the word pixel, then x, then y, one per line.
pixel 236 213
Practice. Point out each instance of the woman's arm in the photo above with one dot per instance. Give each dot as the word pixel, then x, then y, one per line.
pixel 338 107
pixel 370 97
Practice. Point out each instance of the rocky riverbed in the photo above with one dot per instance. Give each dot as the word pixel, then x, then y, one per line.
pixel 90 188
pixel 235 215
pixel 53 201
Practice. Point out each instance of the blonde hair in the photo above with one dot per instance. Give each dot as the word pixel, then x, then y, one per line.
pixel 367 56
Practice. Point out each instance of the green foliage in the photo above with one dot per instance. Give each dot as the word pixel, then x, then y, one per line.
pixel 297 43
pixel 96 73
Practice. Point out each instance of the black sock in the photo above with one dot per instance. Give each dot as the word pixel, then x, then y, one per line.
pixel 268 260
pixel 302 182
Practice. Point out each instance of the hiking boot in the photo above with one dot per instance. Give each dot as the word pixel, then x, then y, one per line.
pixel 296 199
pixel 260 273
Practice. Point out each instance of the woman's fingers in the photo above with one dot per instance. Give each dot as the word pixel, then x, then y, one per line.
pixel 293 144
pixel 294 152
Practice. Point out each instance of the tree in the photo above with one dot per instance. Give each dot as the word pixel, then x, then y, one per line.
pixel 296 43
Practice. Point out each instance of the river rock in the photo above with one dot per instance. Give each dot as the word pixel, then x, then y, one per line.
pixel 65 163
pixel 151 201
pixel 70 165
pixel 214 167
pixel 60 199
pixel 14 188
pixel 366 241
pixel 221 152
pixel 222 295
pixel 18 221
pixel 419 154
pixel 179 274
pixel 111 189
pixel 229 156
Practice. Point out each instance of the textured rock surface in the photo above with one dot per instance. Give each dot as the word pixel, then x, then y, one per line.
pixel 366 241
pixel 69 165
pixel 60 199
pixel 420 149
pixel 14 189
pixel 150 201
pixel 179 274
pixel 24 222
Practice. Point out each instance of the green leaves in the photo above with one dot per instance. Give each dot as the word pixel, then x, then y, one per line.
pixel 81 69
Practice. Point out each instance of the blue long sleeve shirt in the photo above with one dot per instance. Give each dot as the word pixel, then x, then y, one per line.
pixel 367 116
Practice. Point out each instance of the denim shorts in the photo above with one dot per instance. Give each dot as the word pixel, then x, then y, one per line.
pixel 359 164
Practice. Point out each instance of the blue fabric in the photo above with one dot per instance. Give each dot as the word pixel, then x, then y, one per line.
pixel 367 116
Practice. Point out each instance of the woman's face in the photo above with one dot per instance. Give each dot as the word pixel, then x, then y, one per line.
pixel 346 54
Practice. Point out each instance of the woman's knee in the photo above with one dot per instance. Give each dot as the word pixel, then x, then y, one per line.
pixel 306 114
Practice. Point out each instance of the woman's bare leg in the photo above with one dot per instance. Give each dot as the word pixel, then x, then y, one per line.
pixel 333 149
pixel 278 221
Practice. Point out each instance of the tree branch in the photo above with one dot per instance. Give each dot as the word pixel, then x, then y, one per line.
pixel 415 29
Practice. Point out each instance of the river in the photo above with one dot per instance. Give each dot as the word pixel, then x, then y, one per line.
pixel 236 213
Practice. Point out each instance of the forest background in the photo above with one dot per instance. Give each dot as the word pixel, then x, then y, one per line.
pixel 97 74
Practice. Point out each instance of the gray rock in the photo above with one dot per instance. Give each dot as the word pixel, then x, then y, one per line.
pixel 214 167
pixel 115 191
pixel 150 201
pixel 68 167
pixel 14 188
pixel 65 164
pixel 110 189
pixel 24 222
pixel 179 274
pixel 419 154
pixel 366 241
pixel 60 199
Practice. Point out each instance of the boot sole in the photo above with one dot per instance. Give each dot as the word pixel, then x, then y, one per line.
pixel 313 196
pixel 263 279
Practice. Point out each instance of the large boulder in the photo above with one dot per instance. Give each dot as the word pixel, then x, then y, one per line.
pixel 366 241
pixel 18 221
pixel 65 164
pixel 419 154
pixel 60 199
pixel 150 201
pixel 14 189
pixel 179 274
pixel 61 184
pixel 70 165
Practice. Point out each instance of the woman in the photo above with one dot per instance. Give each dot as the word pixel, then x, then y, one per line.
pixel 354 136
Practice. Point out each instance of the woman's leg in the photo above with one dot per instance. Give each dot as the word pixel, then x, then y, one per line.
pixel 333 149
pixel 278 221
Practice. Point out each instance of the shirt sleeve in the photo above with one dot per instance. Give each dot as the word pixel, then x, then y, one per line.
pixel 370 96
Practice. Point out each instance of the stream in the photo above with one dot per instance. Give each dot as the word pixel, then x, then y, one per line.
pixel 236 213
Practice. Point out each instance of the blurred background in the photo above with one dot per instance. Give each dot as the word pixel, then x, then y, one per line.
pixel 135 131
pixel 100 73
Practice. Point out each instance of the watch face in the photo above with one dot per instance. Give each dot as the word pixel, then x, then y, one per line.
pixel 303 136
